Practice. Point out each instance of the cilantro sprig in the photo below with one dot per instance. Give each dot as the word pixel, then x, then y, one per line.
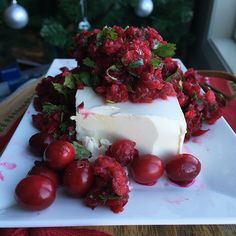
pixel 170 77
pixel 106 33
pixel 50 108
pixel 165 50
pixel 136 64
pixel 88 62
pixel 80 151
pixel 156 62
pixel 69 83
pixel 87 79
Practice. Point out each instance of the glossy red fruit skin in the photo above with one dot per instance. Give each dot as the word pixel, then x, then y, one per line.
pixel 78 178
pixel 39 142
pixel 182 169
pixel 41 168
pixel 59 154
pixel 35 192
pixel 146 169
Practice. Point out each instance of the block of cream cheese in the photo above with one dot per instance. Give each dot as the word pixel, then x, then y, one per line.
pixel 157 128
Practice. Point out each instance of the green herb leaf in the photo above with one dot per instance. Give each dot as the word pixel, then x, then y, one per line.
pixel 80 151
pixel 88 62
pixel 155 62
pixel 87 79
pixel 63 126
pixel 50 108
pixel 106 33
pixel 59 88
pixel 169 78
pixel 135 64
pixel 165 50
pixel 106 197
pixel 69 81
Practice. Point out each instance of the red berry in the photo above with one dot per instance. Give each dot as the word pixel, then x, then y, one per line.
pixel 59 154
pixel 39 142
pixel 78 178
pixel 182 169
pixel 35 192
pixel 41 168
pixel 146 169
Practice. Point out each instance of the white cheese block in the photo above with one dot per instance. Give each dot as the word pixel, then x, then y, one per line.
pixel 157 128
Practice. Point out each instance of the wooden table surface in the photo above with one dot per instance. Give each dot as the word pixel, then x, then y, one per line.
pixel 23 97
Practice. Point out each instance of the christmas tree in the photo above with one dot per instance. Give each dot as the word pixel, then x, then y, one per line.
pixel 52 24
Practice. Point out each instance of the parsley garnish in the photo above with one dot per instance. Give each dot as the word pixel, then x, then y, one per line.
pixel 69 81
pixel 106 33
pixel 155 62
pixel 87 79
pixel 165 50
pixel 59 88
pixel 50 108
pixel 80 151
pixel 135 64
pixel 88 62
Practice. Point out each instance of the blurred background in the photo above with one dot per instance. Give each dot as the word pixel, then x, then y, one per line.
pixel 33 33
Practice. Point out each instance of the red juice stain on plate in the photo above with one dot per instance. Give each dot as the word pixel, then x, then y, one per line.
pixel 170 183
pixel 1 176
pixel 177 201
pixel 8 165
pixel 196 140
pixel 200 186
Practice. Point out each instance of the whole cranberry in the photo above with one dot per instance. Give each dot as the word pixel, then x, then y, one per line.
pixel 78 178
pixel 35 192
pixel 59 154
pixel 182 169
pixel 39 142
pixel 146 169
pixel 41 168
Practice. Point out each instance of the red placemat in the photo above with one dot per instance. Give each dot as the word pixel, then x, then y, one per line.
pixel 52 232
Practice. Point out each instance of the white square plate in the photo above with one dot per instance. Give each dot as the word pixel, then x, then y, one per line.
pixel 210 200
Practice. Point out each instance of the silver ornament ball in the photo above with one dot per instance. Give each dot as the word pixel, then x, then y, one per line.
pixel 16 16
pixel 144 8
pixel 84 24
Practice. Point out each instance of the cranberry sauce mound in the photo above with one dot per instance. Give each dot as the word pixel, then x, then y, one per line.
pixel 132 64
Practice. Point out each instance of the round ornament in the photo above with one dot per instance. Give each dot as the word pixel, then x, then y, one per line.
pixel 84 24
pixel 144 8
pixel 16 16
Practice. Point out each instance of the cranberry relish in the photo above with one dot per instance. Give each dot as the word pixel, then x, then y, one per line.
pixel 123 64
pixel 135 64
